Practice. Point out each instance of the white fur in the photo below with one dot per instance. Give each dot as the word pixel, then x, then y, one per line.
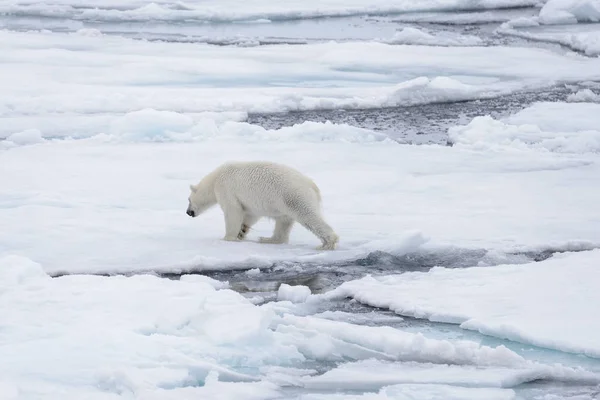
pixel 248 191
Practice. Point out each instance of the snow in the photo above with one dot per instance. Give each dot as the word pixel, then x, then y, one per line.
pixel 367 375
pixel 117 336
pixel 78 76
pixel 421 391
pixel 521 22
pixel 559 117
pixel 28 136
pixel 259 11
pixel 253 272
pixel 545 304
pixel 584 40
pixel 129 193
pixel 147 337
pixel 556 127
pixel 101 136
pixel 466 17
pixel 564 22
pixel 295 294
pixel 584 96
pixel 570 11
pixel 131 198
pixel 416 36
pixel 150 124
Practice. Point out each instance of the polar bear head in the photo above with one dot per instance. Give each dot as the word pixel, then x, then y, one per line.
pixel 200 200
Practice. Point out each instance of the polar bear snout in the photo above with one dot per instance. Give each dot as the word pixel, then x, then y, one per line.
pixel 191 213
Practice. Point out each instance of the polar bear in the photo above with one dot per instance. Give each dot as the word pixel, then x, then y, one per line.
pixel 248 191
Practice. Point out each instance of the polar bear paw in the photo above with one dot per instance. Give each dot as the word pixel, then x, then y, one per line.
pixel 327 246
pixel 330 243
pixel 243 232
pixel 232 239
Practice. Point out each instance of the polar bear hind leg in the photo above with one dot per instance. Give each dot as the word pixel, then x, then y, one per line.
pixel 317 225
pixel 281 234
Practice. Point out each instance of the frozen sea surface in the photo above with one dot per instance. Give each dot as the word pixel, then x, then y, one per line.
pixel 423 124
pixel 457 147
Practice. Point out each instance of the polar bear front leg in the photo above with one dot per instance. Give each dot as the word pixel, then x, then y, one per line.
pixel 247 223
pixel 234 216
pixel 281 234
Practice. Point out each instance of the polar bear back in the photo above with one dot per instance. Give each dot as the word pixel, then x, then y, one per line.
pixel 266 188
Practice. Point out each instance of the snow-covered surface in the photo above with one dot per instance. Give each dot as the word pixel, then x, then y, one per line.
pixel 570 11
pixel 142 336
pixel 295 294
pixel 561 12
pixel 110 110
pixel 584 96
pixel 556 127
pixel 146 337
pixel 581 38
pixel 117 202
pixel 555 117
pixel 372 374
pixel 78 76
pixel 570 23
pixel 416 36
pixel 422 391
pixel 545 304
pixel 235 10
pixel 465 17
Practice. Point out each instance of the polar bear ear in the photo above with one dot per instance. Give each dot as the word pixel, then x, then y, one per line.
pixel 193 188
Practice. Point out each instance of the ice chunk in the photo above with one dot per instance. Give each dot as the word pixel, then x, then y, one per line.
pixel 16 270
pixel 570 11
pixel 201 278
pixel 423 391
pixel 584 96
pixel 172 339
pixel 253 272
pixel 188 78
pixel 558 127
pixel 295 294
pixel 559 117
pixel 423 90
pixel 307 131
pixel 516 302
pixel 91 32
pixel 151 124
pixel 522 22
pixel 235 10
pixel 371 375
pixel 28 136
pixel 416 36
pixel 585 41
pixel 323 339
pixel 142 334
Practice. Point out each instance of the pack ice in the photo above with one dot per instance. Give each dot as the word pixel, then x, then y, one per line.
pixel 466 270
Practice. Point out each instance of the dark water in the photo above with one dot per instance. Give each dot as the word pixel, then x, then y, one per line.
pixel 321 277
